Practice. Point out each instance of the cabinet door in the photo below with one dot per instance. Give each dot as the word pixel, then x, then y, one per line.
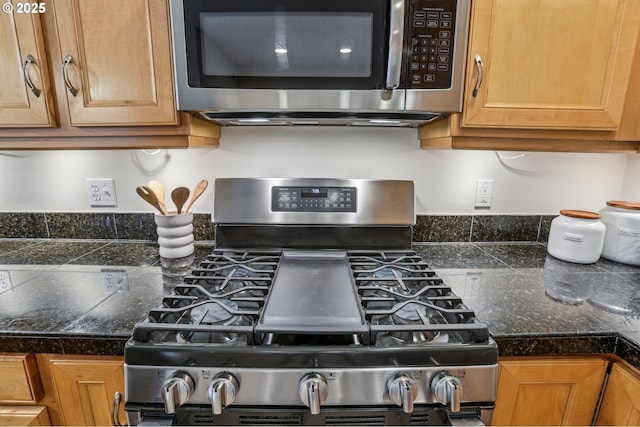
pixel 85 390
pixel 548 391
pixel 20 379
pixel 24 416
pixel 120 61
pixel 21 38
pixel 621 402
pixel 550 64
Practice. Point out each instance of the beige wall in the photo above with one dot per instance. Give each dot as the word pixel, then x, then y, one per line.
pixel 537 183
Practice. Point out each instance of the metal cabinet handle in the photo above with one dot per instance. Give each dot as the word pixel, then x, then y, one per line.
pixel 480 68
pixel 65 74
pixel 28 60
pixel 115 419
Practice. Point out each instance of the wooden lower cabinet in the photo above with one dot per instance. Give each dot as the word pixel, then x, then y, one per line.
pixel 82 388
pixel 24 416
pixel 20 379
pixel 548 391
pixel 621 401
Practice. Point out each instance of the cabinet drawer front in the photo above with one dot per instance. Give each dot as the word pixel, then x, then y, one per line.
pixel 24 416
pixel 20 378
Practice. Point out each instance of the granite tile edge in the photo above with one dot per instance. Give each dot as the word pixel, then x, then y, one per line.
pixel 95 345
pixel 541 345
pixel 557 345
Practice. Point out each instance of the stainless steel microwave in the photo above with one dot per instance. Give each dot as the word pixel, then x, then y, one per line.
pixel 371 62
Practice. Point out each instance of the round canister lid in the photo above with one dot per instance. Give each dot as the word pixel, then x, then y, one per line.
pixel 580 214
pixel 635 206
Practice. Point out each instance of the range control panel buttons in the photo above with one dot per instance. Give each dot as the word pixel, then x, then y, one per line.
pixel 313 199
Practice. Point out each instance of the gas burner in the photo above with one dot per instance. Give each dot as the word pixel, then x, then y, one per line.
pixel 214 313
pixel 414 313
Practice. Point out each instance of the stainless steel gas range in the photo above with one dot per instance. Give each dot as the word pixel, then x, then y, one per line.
pixel 312 309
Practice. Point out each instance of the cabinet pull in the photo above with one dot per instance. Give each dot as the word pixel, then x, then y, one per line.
pixel 480 68
pixel 115 419
pixel 28 60
pixel 65 74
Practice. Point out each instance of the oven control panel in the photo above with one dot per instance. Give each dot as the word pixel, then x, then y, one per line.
pixel 313 199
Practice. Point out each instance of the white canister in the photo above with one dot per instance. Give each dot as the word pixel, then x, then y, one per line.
pixel 622 240
pixel 576 236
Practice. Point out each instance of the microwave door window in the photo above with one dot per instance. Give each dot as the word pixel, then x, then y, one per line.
pixel 265 46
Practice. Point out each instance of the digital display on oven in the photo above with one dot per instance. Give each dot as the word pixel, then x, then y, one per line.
pixel 313 199
pixel 314 192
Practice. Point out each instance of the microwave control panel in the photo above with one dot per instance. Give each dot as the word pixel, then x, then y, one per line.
pixel 432 26
pixel 313 199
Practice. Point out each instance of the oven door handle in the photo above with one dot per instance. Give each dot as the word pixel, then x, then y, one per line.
pixel 396 34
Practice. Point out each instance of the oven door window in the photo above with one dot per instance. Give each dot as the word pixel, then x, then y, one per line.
pixel 286 44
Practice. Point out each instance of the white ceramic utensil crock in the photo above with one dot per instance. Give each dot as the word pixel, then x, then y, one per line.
pixel 175 234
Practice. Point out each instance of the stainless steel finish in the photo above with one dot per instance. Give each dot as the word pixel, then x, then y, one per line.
pixel 292 101
pixel 176 390
pixel 447 100
pixel 313 391
pixel 26 64
pixel 379 202
pixel 447 390
pixel 155 421
pixel 115 418
pixel 466 422
pixel 480 78
pixel 222 391
pixel 308 295
pixel 65 75
pixel 403 391
pixel 396 34
pixel 282 385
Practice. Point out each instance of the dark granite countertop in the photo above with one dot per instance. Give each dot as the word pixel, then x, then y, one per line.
pixel 83 297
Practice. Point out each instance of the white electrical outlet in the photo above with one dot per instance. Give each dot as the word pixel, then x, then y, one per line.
pixel 484 189
pixel 5 281
pixel 115 280
pixel 101 191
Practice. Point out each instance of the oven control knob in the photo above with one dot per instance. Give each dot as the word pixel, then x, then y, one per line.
pixel 176 391
pixel 313 391
pixel 222 391
pixel 447 390
pixel 403 390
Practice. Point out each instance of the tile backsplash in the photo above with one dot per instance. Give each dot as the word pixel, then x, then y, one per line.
pixel 141 226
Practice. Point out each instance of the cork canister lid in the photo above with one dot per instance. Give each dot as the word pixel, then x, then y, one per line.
pixel 634 206
pixel 580 214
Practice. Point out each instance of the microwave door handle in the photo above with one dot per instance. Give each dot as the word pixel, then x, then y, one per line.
pixel 396 34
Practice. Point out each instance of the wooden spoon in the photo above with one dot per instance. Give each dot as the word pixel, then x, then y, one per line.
pixel 150 197
pixel 179 196
pixel 197 192
pixel 158 188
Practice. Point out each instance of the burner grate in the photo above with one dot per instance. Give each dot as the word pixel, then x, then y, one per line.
pixel 223 301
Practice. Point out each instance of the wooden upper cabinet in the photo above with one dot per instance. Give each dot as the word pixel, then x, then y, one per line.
pixel 550 64
pixel 548 391
pixel 23 63
pixel 118 68
pixel 621 401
